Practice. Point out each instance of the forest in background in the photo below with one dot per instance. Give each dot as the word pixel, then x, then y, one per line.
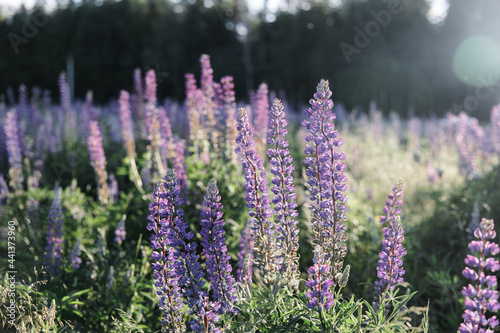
pixel 407 64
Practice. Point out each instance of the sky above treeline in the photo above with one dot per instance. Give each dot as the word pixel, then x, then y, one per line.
pixel 437 12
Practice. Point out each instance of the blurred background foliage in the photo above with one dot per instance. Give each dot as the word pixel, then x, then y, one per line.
pixel 413 64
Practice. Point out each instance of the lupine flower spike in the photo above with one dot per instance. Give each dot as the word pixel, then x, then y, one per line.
pixel 53 255
pixel 165 276
pixel 4 190
pixel 261 114
pixel 74 256
pixel 153 125
pixel 480 295
pixel 257 200
pixel 231 121
pixel 120 232
pixel 14 151
pixel 126 122
pixel 245 255
pixel 284 199
pixel 208 105
pixel 98 161
pixel 65 92
pixel 215 250
pixel 390 269
pixel 326 182
pixel 173 231
pixel 128 136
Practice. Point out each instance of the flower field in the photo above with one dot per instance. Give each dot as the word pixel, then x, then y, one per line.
pixel 219 215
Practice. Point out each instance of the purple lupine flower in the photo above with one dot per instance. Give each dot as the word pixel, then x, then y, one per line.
pixel 113 188
pixel 218 100
pixel 120 232
pixel 55 223
pixel 193 113
pixel 4 189
pixel 468 140
pixel 207 88
pixel 230 116
pixel 126 122
pixel 164 256
pixel 74 256
pixel 98 161
pixel 64 92
pixel 185 260
pixel 326 181
pixel 390 269
pixel 207 76
pixel 245 255
pixel 495 128
pixel 151 116
pixel 284 198
pixel 257 200
pixel 215 250
pixel 261 120
pixel 150 87
pixel 480 296
pixel 14 151
pixel 320 284
pixel 393 204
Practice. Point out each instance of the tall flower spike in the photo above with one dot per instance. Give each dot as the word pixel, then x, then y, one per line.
pixel 98 161
pixel 186 266
pixel 284 199
pixel 120 232
pixel 245 255
pixel 14 151
pixel 126 122
pixel 53 248
pixel 207 87
pixel 390 269
pixel 165 256
pixel 4 190
pixel 230 115
pixel 64 92
pixel 261 114
pixel 192 113
pixel 326 181
pixel 215 250
pixel 257 200
pixel 480 296
pixel 150 87
pixel 151 114
pixel 74 256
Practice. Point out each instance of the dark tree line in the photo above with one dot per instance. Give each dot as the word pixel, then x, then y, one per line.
pixel 386 51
